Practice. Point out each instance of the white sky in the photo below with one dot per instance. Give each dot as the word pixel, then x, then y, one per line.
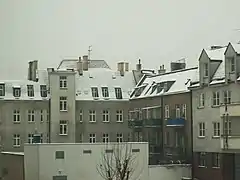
pixel 157 31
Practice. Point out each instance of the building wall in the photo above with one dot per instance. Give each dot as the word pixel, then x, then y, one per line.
pixel 99 127
pixel 72 165
pixel 8 127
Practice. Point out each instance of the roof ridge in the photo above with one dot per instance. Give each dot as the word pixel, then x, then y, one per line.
pixel 176 71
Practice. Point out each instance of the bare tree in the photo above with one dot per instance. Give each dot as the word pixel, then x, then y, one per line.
pixel 118 162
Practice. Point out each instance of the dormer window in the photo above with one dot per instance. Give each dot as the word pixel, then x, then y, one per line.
pixel 2 89
pixel 105 92
pixel 118 92
pixel 43 90
pixel 30 90
pixel 16 91
pixel 232 65
pixel 205 69
pixel 95 92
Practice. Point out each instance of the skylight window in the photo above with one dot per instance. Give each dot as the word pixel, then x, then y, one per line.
pixel 139 91
pixel 105 92
pixel 16 91
pixel 154 87
pixel 118 92
pixel 95 92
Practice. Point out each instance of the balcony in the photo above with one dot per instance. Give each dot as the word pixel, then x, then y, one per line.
pixel 232 109
pixel 232 143
pixel 145 123
pixel 175 122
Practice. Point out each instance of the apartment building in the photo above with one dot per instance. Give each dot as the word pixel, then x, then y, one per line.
pixel 160 113
pixel 81 100
pixel 215 108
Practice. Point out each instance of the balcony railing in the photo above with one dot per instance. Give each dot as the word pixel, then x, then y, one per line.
pixel 145 123
pixel 232 109
pixel 176 122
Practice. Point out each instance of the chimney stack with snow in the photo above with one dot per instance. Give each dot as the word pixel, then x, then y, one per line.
pixel 85 63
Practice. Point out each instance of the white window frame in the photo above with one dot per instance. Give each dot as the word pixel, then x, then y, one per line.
pixel 201 130
pixel 118 93
pixel 30 138
pixel 16 140
pixel 119 115
pixel 201 100
pixel 206 72
pixel 216 98
pixel 105 115
pixel 227 96
pixel 31 115
pixel 41 115
pixel 92 116
pixel 16 92
pixel 166 111
pixel 216 159
pixel 63 128
pixel 105 137
pixel 202 159
pixel 216 129
pixel 228 128
pixel 119 137
pixel 184 111
pixel 62 82
pixel 94 92
pixel 81 115
pixel 16 116
pixel 30 90
pixel 178 111
pixel 105 92
pixel 92 138
pixel 63 103
pixel 232 65
pixel 2 89
pixel 43 90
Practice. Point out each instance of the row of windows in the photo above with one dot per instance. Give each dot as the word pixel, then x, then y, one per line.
pixel 215 160
pixel 17 139
pixel 180 111
pixel 30 91
pixel 216 129
pixel 30 115
pixel 227 99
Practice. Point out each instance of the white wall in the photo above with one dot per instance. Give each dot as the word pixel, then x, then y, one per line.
pixel 77 165
pixel 169 172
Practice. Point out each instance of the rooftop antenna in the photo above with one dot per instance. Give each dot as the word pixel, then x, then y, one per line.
pixel 89 51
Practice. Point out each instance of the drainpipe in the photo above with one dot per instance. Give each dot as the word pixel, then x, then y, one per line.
pixel 192 133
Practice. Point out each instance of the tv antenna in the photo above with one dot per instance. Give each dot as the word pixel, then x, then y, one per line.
pixel 89 51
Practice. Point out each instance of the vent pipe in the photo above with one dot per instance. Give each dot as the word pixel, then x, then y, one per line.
pixel 85 63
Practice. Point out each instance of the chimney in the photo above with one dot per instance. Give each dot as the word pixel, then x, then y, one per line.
pixel 120 67
pixel 80 66
pixel 85 63
pixel 32 70
pixel 180 64
pixel 126 66
pixel 162 70
pixel 139 65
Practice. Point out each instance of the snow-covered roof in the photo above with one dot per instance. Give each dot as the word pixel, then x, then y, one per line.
pixel 72 64
pixel 103 77
pixel 175 82
pixel 22 84
pixel 216 54
pixel 236 47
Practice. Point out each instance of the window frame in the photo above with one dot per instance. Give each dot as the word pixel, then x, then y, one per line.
pixel 216 160
pixel 232 64
pixel 16 140
pixel 201 159
pixel 92 138
pixel 16 92
pixel 30 90
pixel 41 116
pixel 105 92
pixel 216 98
pixel 119 137
pixel 201 101
pixel 63 127
pixel 201 130
pixel 31 115
pixel 63 105
pixel 118 93
pixel 105 138
pixel 16 116
pixel 43 90
pixel 63 82
pixel 81 116
pixel 119 115
pixel 166 111
pixel 105 115
pixel 30 138
pixel 178 111
pixel 2 89
pixel 216 129
pixel 95 93
pixel 92 116
pixel 206 70
pixel 227 97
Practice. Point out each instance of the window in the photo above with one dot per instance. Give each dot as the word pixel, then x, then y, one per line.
pixel 105 92
pixel 119 115
pixel 95 92
pixel 59 154
pixel 16 140
pixel 31 115
pixel 16 115
pixel 105 138
pixel 228 127
pixel 63 127
pixel 2 89
pixel 92 138
pixel 178 111
pixel 166 111
pixel 232 65
pixel 201 129
pixel 216 98
pixel 63 103
pixel 105 116
pixel 202 100
pixel 30 90
pixel 118 93
pixel 202 159
pixel 41 115
pixel 92 116
pixel 206 69
pixel 63 82
pixel 81 116
pixel 30 138
pixel 227 97
pixel 43 90
pixel 216 160
pixel 16 92
pixel 184 111
pixel 119 137
pixel 216 129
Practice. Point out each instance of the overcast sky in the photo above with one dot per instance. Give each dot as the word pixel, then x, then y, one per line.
pixel 157 31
